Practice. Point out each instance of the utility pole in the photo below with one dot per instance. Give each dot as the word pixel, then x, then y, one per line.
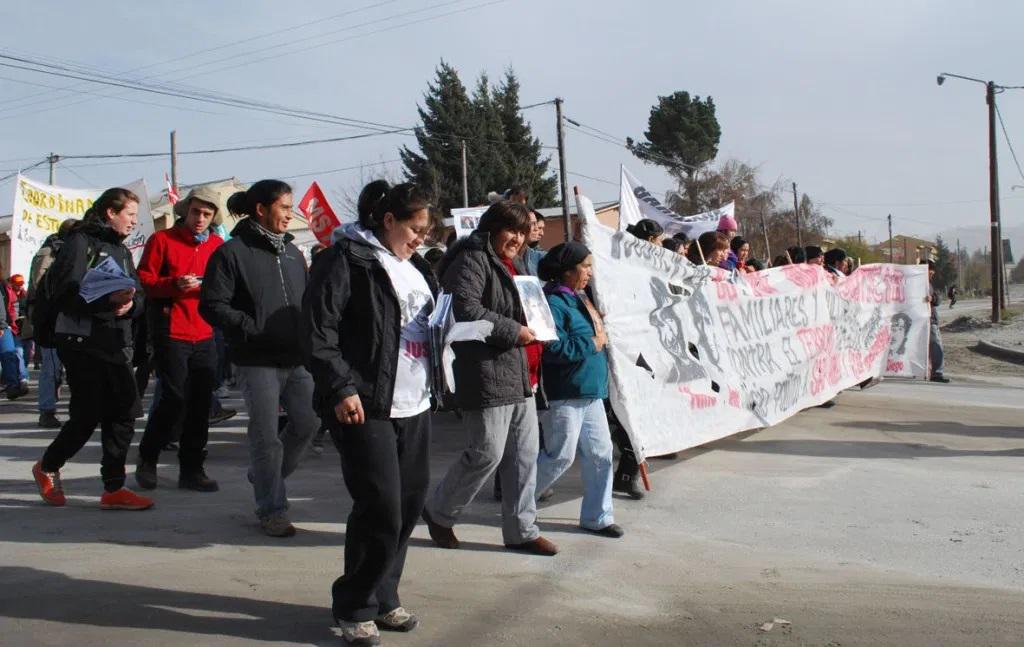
pixel 993 205
pixel 764 232
pixel 174 159
pixel 561 168
pixel 959 270
pixel 796 211
pixel 906 254
pixel 53 159
pixel 860 239
pixel 465 177
pixel 892 259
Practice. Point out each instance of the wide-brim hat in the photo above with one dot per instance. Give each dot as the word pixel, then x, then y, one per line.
pixel 204 193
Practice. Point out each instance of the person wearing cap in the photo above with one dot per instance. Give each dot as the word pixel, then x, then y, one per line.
pixel 171 272
pixel 576 382
pixel 727 226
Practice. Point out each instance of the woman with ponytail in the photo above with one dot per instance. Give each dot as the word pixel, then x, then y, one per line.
pixel 94 342
pixel 365 313
pixel 253 292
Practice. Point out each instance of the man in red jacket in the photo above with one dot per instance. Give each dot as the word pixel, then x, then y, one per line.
pixel 171 273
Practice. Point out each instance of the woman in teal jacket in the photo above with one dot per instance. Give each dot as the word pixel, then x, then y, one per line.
pixel 576 383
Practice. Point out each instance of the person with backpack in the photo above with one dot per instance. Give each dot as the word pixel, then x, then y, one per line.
pixel 253 292
pixel 50 367
pixel 94 341
pixel 171 272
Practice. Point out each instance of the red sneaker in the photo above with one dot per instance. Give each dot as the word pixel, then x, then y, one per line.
pixel 49 485
pixel 124 499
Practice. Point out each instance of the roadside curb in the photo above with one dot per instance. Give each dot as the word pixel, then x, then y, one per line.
pixel 1000 352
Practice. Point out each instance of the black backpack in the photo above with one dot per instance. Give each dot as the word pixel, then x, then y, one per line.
pixel 45 309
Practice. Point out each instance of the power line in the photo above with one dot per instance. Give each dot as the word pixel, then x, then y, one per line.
pixel 22 170
pixel 1009 144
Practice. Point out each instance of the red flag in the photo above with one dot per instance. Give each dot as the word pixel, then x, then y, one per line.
pixel 319 214
pixel 172 191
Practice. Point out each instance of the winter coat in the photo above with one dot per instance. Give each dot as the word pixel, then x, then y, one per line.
pixel 92 328
pixel 170 254
pixel 353 322
pixel 573 366
pixel 493 372
pixel 255 296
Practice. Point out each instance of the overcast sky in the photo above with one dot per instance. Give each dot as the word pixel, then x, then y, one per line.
pixel 837 96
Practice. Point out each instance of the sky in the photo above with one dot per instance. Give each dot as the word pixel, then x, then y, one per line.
pixel 839 97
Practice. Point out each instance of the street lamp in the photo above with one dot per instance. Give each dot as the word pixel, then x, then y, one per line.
pixel 991 89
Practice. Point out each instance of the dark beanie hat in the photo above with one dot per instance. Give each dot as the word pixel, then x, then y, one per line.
pixel 560 259
pixel 812 252
pixel 835 255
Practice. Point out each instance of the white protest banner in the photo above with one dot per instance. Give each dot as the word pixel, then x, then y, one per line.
pixel 136 240
pixel 38 211
pixel 466 220
pixel 637 203
pixel 697 353
pixel 39 208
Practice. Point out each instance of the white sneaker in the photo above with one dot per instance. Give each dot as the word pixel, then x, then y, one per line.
pixel 361 634
pixel 398 619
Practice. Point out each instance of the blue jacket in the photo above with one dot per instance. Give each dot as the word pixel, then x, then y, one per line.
pixel 573 367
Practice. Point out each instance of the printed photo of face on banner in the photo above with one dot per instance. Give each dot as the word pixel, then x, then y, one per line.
pixel 899 330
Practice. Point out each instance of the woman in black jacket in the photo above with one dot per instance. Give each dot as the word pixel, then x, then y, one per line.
pixel 495 379
pixel 366 310
pixel 94 342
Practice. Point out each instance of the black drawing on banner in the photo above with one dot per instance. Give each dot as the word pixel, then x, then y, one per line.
pixel 700 310
pixel 666 321
pixel 899 330
pixel 642 363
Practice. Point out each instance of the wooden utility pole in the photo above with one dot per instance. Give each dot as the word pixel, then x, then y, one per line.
pixel 993 205
pixel 796 212
pixel 561 168
pixel 465 177
pixel 764 232
pixel 892 259
pixel 174 159
pixel 53 159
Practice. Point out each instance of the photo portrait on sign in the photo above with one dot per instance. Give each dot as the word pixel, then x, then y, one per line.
pixel 535 305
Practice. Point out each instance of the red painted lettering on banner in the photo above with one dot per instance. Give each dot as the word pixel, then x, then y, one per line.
pixel 726 291
pixel 894 366
pixel 699 400
pixel 734 398
pixel 806 276
pixel 416 349
pixel 874 284
pixel 759 284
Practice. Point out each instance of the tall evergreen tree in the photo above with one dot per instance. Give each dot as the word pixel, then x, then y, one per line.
pixel 529 166
pixel 447 115
pixel 501 150
pixel 945 265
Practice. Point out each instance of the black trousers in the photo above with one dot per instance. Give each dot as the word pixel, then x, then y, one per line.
pixel 187 373
pixel 628 465
pixel 101 394
pixel 386 466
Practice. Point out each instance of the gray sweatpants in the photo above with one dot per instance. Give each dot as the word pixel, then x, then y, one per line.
pixel 274 455
pixel 501 438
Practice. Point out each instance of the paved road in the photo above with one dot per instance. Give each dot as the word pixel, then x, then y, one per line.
pixel 895 518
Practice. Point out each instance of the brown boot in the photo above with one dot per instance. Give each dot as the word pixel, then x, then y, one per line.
pixel 443 537
pixel 538 546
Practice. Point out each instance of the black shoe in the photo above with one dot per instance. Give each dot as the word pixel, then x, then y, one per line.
pixel 49 420
pixel 939 377
pixel 197 481
pixel 145 475
pixel 629 485
pixel 497 488
pixel 16 392
pixel 546 494
pixel 441 536
pixel 222 415
pixel 612 530
pixel 171 446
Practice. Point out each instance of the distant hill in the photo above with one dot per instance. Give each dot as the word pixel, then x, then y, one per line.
pixel 973 238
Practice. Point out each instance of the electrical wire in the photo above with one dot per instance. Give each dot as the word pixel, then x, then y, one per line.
pixel 1009 143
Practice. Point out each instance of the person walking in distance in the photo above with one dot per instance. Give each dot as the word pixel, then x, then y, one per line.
pixel 94 341
pixel 171 272
pixel 366 309
pixel 253 292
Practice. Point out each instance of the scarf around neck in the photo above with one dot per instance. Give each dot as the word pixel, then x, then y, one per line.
pixel 276 240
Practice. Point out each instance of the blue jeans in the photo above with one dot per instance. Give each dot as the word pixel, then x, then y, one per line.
pixel 48 372
pixel 12 365
pixel 574 427
pixel 273 455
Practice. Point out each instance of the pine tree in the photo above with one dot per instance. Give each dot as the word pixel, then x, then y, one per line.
pixel 529 168
pixel 945 265
pixel 501 150
pixel 447 116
